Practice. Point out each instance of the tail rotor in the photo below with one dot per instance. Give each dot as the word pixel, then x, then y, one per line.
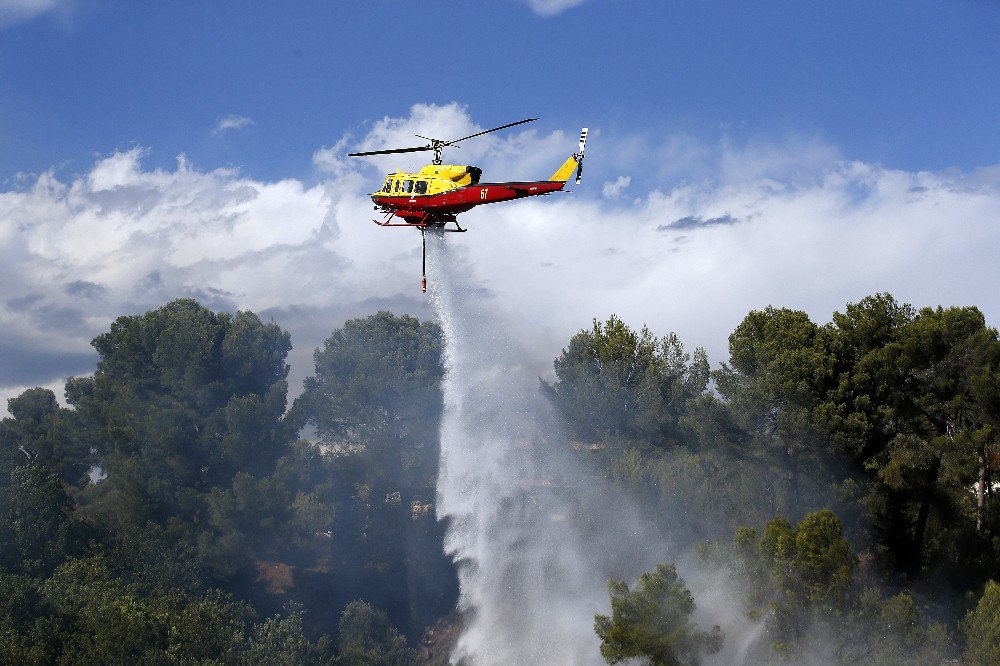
pixel 579 155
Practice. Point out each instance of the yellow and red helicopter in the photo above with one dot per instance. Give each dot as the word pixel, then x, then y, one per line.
pixel 433 197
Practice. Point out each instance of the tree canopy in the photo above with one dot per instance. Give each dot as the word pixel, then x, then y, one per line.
pixel 179 511
pixel 170 514
pixel 651 620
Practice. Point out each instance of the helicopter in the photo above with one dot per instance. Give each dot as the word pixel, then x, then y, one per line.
pixel 433 197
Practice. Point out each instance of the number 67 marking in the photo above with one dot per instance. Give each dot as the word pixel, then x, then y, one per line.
pixel 482 193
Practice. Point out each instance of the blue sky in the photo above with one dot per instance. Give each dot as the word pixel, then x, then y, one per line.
pixel 741 155
pixel 909 85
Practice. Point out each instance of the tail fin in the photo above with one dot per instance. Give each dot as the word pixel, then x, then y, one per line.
pixel 574 163
pixel 565 172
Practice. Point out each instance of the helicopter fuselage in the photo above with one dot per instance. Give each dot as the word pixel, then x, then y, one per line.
pixel 439 192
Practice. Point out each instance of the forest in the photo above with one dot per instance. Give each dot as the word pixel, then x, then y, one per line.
pixel 180 509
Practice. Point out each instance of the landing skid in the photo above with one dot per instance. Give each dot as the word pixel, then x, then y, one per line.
pixel 425 222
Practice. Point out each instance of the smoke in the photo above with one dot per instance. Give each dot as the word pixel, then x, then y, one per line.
pixel 535 536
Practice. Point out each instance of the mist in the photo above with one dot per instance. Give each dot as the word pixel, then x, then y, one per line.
pixel 534 533
pixel 539 521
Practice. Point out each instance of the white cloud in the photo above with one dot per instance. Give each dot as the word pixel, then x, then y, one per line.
pixel 18 11
pixel 231 122
pixel 613 189
pixel 552 7
pixel 333 159
pixel 858 230
pixel 766 224
pixel 122 239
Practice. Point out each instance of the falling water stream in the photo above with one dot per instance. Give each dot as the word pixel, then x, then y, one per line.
pixel 529 528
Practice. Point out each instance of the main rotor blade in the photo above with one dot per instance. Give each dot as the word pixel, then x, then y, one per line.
pixel 519 122
pixel 391 150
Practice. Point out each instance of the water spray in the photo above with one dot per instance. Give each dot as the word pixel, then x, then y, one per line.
pixel 534 535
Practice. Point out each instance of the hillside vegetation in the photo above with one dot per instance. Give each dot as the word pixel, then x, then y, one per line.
pixel 838 477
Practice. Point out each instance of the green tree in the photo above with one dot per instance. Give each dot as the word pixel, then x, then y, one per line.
pixel 613 381
pixel 651 621
pixel 375 402
pixel 209 629
pixel 366 638
pixel 981 627
pixel 888 630
pixel 933 365
pixel 859 408
pixel 779 362
pixel 36 530
pixel 282 641
pixel 795 574
pixel 183 401
pixel 376 373
pixel 800 580
pixel 985 388
pixel 780 365
pixel 41 432
pixel 813 562
pixel 90 611
pixel 912 409
pixel 765 429
pixel 904 398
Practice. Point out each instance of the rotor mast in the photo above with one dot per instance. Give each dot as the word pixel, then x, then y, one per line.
pixel 436 146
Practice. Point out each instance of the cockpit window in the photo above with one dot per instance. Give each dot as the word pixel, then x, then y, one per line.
pixel 407 186
pixel 420 187
pixel 395 186
pixel 388 186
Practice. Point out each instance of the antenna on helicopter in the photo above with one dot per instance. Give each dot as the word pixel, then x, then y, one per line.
pixel 437 145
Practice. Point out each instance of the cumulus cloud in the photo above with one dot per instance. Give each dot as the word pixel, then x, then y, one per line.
pixel 123 239
pixel 613 189
pixel 815 231
pixel 18 11
pixel 231 122
pixel 333 160
pixel 552 7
